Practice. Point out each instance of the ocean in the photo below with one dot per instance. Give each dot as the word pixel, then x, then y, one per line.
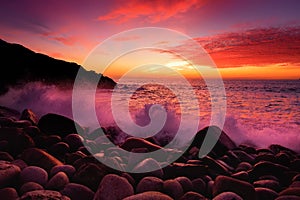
pixel 260 112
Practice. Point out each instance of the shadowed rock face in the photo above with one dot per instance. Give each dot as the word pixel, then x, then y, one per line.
pixel 28 66
pixel 224 143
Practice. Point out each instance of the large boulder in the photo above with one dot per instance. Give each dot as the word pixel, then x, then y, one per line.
pixel 54 124
pixel 17 140
pixel 113 187
pixel 38 157
pixel 242 188
pixel 8 173
pixel 224 143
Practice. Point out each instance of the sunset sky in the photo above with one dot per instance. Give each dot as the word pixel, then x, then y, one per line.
pixel 249 39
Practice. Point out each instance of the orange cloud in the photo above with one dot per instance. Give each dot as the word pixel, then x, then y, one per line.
pixel 153 10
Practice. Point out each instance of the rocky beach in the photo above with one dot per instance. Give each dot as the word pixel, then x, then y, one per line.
pixel 44 157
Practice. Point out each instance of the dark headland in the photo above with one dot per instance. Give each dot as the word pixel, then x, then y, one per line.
pixel 43 157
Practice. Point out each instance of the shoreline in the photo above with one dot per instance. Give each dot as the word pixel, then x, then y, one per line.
pixel 46 157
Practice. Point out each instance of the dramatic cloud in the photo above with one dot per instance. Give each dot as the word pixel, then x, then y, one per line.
pixel 255 47
pixel 152 10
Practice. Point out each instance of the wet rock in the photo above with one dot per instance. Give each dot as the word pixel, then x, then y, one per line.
pixel 192 196
pixel 151 195
pixel 20 163
pixel 242 175
pixel 283 159
pixel 295 184
pixel 32 131
pixel 54 124
pixel 59 149
pixel 8 194
pixel 243 166
pixel 265 193
pixel 267 168
pixel 291 191
pixel 190 171
pixel 243 156
pixel 58 181
pixel 22 124
pixel 68 169
pixel 227 196
pixel 265 157
pixel 148 165
pixel 150 183
pixel 74 141
pixel 6 156
pixel 17 140
pixel 271 184
pixel 133 143
pixel 77 192
pixel 224 143
pixel 296 178
pixel 185 183
pixel 29 115
pixel 214 166
pixel 40 158
pixel 89 175
pixel 51 140
pixel 30 186
pixel 8 173
pixel 113 187
pixel 242 188
pixel 173 189
pixel 199 185
pixel 34 174
pixel 43 195
pixel 71 158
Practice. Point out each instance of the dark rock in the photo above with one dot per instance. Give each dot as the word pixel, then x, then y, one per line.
pixel 43 195
pixel 113 187
pixel 77 192
pixel 59 149
pixel 296 178
pixel 54 124
pixel 199 186
pixel 89 175
pixel 191 171
pixel 288 197
pixel 151 195
pixel 295 165
pixel 224 143
pixel 34 174
pixel 30 186
pixel 173 189
pixel 51 140
pixel 150 183
pixel 227 196
pixel 38 157
pixel 68 169
pixel 129 178
pixel 4 145
pixel 265 193
pixel 32 131
pixel 9 112
pixel 241 175
pixel 74 141
pixel 6 121
pixel 268 177
pixel 243 166
pixel 29 115
pixel 17 140
pixel 8 194
pixel 71 158
pixel 192 196
pixel 147 165
pixel 271 184
pixel 243 156
pixel 22 124
pixel 133 143
pixel 58 181
pixel 265 157
pixel 276 148
pixel 267 168
pixel 5 156
pixel 8 173
pixel 214 166
pixel 242 188
pixel 295 184
pixel 291 191
pixel 185 183
pixel 283 158
pixel 20 163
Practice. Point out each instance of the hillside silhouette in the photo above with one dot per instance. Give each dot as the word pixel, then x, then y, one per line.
pixel 20 65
